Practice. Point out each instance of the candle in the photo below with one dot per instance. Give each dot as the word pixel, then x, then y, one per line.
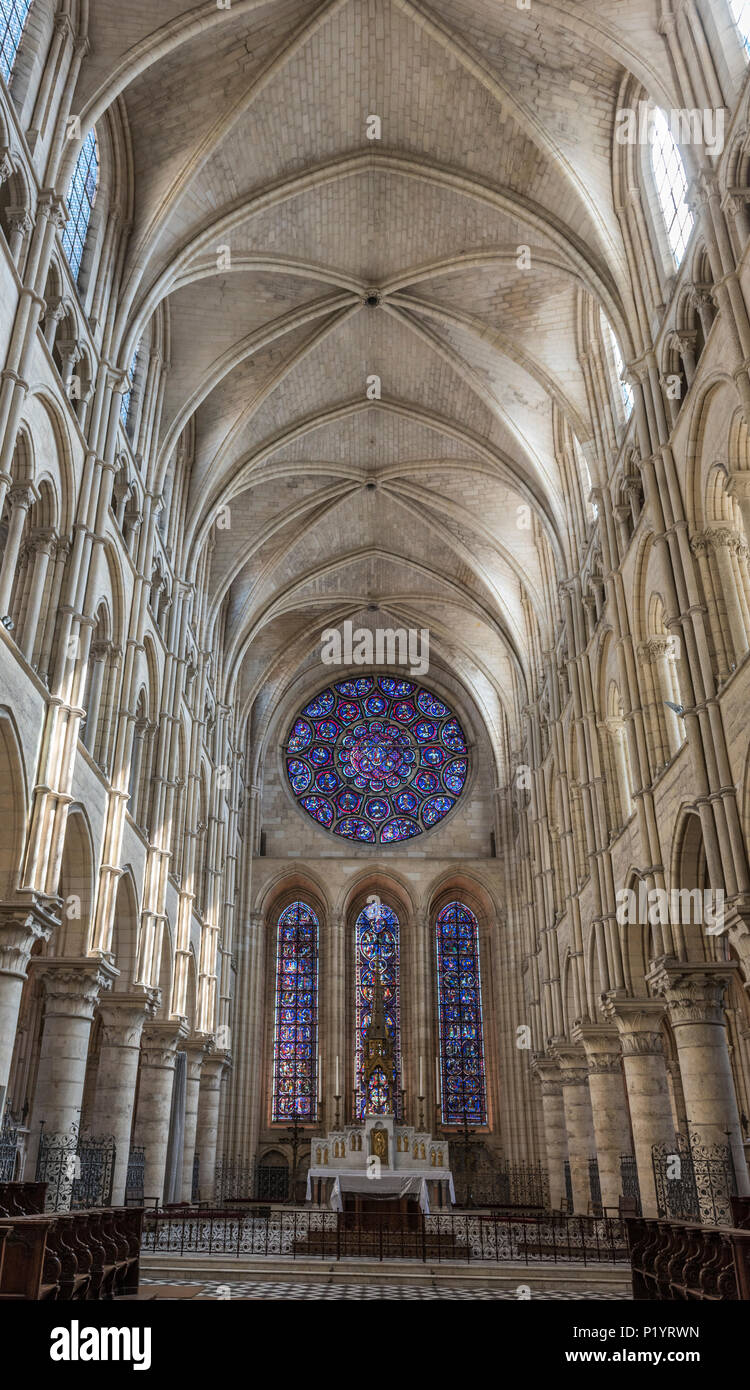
pixel 320 1082
pixel 421 1076
pixel 337 1091
pixel 437 1081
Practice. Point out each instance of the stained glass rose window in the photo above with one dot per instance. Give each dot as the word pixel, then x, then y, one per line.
pixel 377 759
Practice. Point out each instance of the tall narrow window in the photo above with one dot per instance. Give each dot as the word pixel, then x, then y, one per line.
pixel 81 198
pixel 624 387
pixel 13 16
pixel 128 396
pixel 462 1082
pixel 741 15
pixel 295 1051
pixel 377 952
pixel 671 185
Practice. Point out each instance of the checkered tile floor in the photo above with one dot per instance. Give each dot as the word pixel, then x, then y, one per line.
pixel 251 1289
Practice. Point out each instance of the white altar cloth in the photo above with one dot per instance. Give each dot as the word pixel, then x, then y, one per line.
pixel 389 1184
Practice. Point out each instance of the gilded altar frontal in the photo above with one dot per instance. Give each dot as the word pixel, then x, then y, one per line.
pixel 374 670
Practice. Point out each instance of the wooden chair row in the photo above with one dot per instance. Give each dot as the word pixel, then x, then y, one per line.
pixel 684 1261
pixel 93 1254
pixel 22 1198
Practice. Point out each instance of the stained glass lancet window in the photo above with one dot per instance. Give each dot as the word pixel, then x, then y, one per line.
pixel 671 185
pixel 80 200
pixel 13 16
pixel 128 396
pixel 741 15
pixel 624 387
pixel 462 1080
pixel 377 759
pixel 376 951
pixel 295 1051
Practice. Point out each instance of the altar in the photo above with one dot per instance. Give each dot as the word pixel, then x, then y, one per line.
pixel 380 1160
pixel 379 1164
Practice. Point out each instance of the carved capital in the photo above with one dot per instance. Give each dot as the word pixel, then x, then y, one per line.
pixel 72 985
pixel 124 1015
pixel 160 1040
pixel 692 993
pixel 601 1043
pixel 638 1023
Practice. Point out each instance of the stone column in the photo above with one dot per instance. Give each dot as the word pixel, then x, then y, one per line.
pixel 72 986
pixel 638 1023
pixel 579 1121
pixel 158 1048
pixel 21 925
pixel 547 1069
pixel 694 995
pixel 195 1048
pixel 21 499
pixel 608 1104
pixel 207 1128
pixel 123 1017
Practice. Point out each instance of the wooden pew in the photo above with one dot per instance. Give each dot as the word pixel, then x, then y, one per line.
pixel 22 1198
pixel 76 1255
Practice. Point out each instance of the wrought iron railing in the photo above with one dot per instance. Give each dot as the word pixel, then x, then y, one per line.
pixel 134 1180
pixel 8 1148
pixel 631 1188
pixel 78 1170
pixel 694 1181
pixel 595 1187
pixel 468 1238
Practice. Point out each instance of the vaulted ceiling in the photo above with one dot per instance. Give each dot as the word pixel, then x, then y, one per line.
pixel 265 218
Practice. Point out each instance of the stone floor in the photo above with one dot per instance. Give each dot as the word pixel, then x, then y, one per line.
pixel 324 1289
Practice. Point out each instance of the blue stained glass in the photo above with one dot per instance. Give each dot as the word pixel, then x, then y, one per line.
pixel 300 775
pixel 328 729
pixel 128 396
pixel 296 1021
pixel 352 690
pixel 454 775
pixel 399 829
pixel 300 737
pixel 396 688
pixel 434 810
pixel 372 758
pixel 80 199
pixel 352 828
pixel 13 16
pixel 328 782
pixel 376 952
pixel 348 712
pixel 462 1079
pixel 318 808
pixel 452 736
pixel 322 704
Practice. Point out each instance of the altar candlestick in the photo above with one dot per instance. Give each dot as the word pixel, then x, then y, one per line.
pixel 338 1091
pixel 437 1081
pixel 421 1076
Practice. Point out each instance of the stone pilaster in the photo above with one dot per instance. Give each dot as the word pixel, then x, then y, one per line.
pixel 601 1044
pixel 159 1042
pixel 694 996
pixel 123 1017
pixel 638 1023
pixel 579 1121
pixel 547 1071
